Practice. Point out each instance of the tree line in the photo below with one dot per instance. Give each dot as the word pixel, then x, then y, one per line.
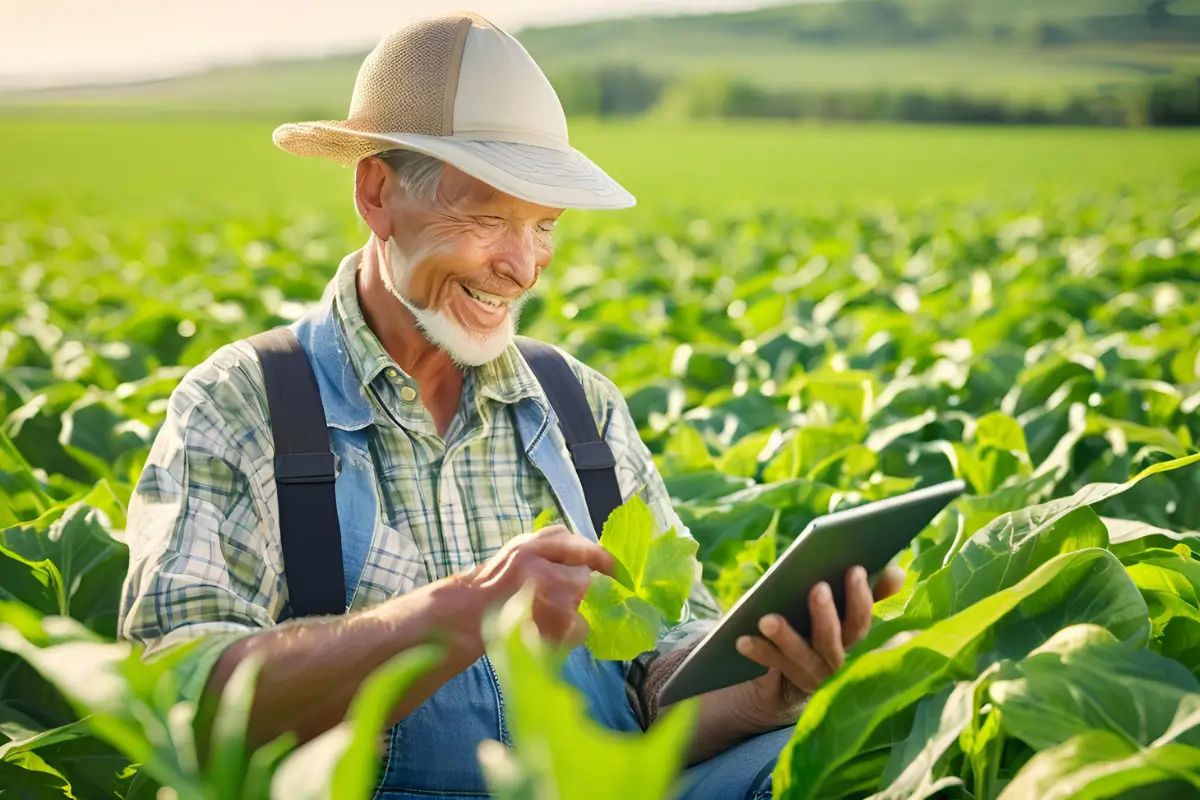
pixel 627 90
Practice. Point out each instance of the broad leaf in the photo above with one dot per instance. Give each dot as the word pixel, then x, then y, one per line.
pixel 1100 764
pixel 344 761
pixel 654 580
pixel 879 683
pixel 1083 680
pixel 558 747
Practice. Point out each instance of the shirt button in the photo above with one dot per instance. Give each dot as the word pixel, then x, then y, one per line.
pixel 408 394
pixel 392 373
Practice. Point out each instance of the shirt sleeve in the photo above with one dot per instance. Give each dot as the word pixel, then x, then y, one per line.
pixel 201 560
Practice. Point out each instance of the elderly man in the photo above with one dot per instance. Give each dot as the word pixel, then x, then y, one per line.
pixel 446 449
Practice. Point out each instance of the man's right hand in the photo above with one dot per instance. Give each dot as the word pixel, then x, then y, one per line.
pixel 328 659
pixel 557 565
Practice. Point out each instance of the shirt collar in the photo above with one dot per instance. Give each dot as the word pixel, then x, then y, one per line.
pixel 507 379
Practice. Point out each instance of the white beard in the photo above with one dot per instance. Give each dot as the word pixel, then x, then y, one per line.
pixel 464 347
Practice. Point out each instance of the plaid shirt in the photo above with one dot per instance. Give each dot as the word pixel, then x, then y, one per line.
pixel 203 533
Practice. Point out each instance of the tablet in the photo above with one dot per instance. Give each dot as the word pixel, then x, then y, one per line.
pixel 871 535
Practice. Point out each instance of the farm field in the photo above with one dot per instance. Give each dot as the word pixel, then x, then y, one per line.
pixel 119 169
pixel 801 319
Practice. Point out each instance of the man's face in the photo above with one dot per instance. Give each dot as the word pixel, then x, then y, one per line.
pixel 464 262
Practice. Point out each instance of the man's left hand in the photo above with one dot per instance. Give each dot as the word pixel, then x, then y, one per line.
pixel 796 668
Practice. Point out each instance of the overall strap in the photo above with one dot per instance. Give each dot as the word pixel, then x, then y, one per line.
pixel 304 477
pixel 591 455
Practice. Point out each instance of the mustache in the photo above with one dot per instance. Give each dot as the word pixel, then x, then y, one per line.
pixel 503 289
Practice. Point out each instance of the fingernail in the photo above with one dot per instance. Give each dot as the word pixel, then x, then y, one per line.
pixel 860 574
pixel 743 644
pixel 823 592
pixel 768 625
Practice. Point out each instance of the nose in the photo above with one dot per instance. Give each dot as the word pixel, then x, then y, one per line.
pixel 516 256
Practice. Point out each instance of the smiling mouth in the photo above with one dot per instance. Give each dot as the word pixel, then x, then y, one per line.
pixel 490 300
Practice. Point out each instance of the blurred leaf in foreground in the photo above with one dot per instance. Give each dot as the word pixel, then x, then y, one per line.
pixel 561 753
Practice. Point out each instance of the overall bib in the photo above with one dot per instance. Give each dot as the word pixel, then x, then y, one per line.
pixel 432 751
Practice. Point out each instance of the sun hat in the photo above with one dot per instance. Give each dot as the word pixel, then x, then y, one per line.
pixel 460 89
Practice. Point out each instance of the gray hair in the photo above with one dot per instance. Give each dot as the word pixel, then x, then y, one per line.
pixel 418 174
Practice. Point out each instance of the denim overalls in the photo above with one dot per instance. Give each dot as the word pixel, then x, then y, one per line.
pixel 432 751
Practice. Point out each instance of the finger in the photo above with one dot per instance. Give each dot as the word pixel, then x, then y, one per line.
pixel 807 668
pixel 858 607
pixel 575 550
pixel 579 631
pixel 550 530
pixel 566 586
pixel 890 582
pixel 766 654
pixel 826 627
pixel 555 618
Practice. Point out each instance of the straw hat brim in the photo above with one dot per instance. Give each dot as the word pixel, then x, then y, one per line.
pixel 558 177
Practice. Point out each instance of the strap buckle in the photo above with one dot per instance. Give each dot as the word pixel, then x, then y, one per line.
pixel 592 455
pixel 305 468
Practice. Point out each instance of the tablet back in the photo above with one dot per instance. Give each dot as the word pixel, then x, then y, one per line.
pixel 869 535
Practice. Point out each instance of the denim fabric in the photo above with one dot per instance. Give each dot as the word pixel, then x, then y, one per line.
pixel 432 751
pixel 742 772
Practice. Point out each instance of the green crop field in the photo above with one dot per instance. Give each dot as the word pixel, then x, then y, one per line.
pixel 801 318
pixel 119 168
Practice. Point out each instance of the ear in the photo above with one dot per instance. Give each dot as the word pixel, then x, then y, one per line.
pixel 373 182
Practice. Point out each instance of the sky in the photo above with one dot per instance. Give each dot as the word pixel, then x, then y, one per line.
pixel 65 42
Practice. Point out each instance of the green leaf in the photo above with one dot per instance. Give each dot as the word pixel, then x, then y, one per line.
pixel 1082 586
pixel 37 584
pixel 622 625
pixel 28 777
pixel 96 434
pixel 1012 545
pixel 685 451
pixel 545 519
pixel 1100 764
pixel 75 538
pixel 1000 431
pixel 131 704
pixel 668 574
pixel 808 448
pixel 742 460
pixel 918 764
pixel 559 749
pixel 700 486
pixel 1002 554
pixel 1083 679
pixel 1126 432
pixel 227 756
pixel 22 496
pixel 35 740
pixel 752 561
pixel 344 761
pixel 986 469
pixel 654 579
pixel 627 534
pixel 1128 538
